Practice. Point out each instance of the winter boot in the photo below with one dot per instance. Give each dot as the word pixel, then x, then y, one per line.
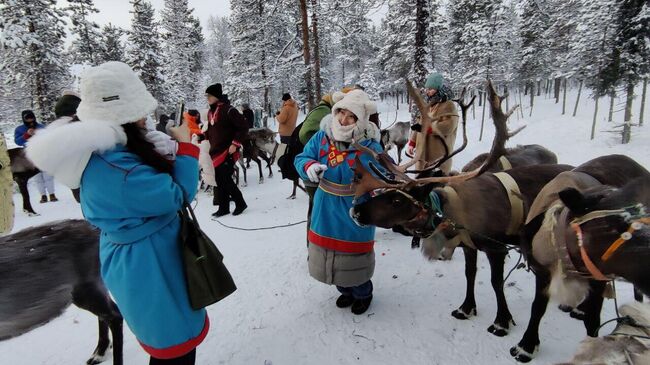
pixel 239 209
pixel 53 198
pixel 344 301
pixel 43 199
pixel 360 306
pixel 220 213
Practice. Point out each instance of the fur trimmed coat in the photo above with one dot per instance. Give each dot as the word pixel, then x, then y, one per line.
pixel 427 146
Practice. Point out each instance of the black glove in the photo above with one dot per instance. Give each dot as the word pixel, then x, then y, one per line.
pixel 416 127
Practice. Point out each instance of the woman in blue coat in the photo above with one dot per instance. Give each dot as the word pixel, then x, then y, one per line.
pixel 133 182
pixel 341 253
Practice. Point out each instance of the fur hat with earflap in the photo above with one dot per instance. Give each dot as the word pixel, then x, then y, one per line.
pixel 111 95
pixel 357 102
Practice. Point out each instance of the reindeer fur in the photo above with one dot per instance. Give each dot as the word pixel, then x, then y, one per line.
pixel 45 268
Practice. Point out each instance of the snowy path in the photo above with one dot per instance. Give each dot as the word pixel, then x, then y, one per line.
pixel 280 315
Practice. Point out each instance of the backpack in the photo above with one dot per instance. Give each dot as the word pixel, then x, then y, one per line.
pixel 294 148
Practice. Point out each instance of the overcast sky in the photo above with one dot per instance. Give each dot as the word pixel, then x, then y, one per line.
pixel 117 11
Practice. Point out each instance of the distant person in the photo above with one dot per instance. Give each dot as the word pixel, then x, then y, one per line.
pixel 65 111
pixel 425 145
pixel 193 120
pixel 248 115
pixel 287 117
pixel 22 134
pixel 227 128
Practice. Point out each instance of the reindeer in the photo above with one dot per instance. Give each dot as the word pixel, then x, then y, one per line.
pixel 260 142
pixel 473 208
pixel 627 344
pixel 45 268
pixel 573 222
pixel 398 136
pixel 23 170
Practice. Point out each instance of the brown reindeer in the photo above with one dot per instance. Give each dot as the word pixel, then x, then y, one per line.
pixel 23 169
pixel 594 203
pixel 473 208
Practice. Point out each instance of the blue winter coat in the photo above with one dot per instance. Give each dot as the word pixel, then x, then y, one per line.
pixel 331 225
pixel 19 133
pixel 135 207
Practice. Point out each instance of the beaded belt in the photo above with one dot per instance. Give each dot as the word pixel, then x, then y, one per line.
pixel 336 189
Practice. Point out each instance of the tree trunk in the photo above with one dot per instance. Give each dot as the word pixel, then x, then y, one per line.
pixel 420 56
pixel 539 88
pixel 480 137
pixel 627 126
pixel 473 107
pixel 314 32
pixel 612 96
pixel 643 94
pixel 564 97
pixel 306 54
pixel 575 108
pixel 557 89
pixel 505 92
pixel 397 100
pixel 593 123
pixel 532 99
pixel 521 106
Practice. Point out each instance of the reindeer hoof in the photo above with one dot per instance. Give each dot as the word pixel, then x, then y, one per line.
pixel 522 355
pixel 243 185
pixel 461 314
pixel 98 358
pixel 271 176
pixel 291 197
pixel 577 314
pixel 498 330
pixel 31 214
pixel 261 181
pixel 565 308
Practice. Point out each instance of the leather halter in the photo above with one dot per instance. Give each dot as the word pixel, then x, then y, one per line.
pixel 635 215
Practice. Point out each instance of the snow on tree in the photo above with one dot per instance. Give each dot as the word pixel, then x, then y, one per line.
pixel 535 56
pixel 180 40
pixel 216 52
pixel 398 32
pixel 143 53
pixel 112 47
pixel 32 57
pixel 87 39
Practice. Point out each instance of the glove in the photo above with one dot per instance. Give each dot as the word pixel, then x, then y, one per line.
pixel 315 172
pixel 163 144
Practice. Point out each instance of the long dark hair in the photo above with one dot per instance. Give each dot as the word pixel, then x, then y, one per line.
pixel 137 144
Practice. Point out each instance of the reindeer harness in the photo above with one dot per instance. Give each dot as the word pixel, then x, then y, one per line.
pixel 634 215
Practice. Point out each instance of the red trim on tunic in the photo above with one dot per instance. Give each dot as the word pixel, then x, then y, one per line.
pixel 340 245
pixel 181 349
pixel 309 164
pixel 187 149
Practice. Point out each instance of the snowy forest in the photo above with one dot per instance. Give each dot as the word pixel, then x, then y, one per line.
pixel 311 47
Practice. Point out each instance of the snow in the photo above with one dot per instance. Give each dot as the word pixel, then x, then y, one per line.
pixel 280 315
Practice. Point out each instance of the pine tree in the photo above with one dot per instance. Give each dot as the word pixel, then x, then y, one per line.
pixel 180 40
pixel 112 45
pixel 32 35
pixel 398 31
pixel 216 52
pixel 535 57
pixel 144 54
pixel 86 44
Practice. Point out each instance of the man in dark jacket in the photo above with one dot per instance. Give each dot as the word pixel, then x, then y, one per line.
pixel 248 115
pixel 227 128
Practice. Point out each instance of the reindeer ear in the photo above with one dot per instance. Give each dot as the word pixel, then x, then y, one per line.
pixel 577 202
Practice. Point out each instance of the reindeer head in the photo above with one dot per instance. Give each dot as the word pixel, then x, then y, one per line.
pixel 399 200
pixel 614 225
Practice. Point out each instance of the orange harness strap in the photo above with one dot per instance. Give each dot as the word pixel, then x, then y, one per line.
pixel 635 226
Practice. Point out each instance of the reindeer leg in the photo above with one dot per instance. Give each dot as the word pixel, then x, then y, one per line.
pixel 503 320
pixel 468 308
pixel 259 169
pixel 529 344
pixel 293 193
pixel 592 307
pixel 94 298
pixel 638 295
pixel 24 192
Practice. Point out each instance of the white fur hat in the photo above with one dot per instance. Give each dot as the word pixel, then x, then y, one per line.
pixel 113 93
pixel 358 102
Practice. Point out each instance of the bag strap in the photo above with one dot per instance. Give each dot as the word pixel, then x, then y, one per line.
pixel 186 205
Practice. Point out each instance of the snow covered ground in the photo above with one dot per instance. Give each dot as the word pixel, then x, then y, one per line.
pixel 279 315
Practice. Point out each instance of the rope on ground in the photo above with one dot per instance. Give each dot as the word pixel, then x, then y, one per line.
pixel 260 228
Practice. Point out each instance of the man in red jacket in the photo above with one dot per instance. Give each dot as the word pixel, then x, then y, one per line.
pixel 227 128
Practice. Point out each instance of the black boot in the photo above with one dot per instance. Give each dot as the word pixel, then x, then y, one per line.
pixel 360 306
pixel 53 198
pixel 215 196
pixel 43 199
pixel 239 208
pixel 344 301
